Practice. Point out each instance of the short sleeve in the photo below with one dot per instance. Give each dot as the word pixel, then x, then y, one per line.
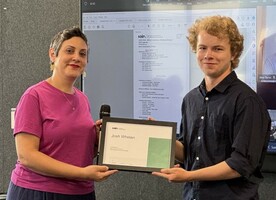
pixel 28 115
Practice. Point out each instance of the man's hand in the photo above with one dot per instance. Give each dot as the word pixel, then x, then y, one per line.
pixel 175 174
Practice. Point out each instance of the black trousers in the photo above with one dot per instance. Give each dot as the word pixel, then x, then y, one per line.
pixel 19 193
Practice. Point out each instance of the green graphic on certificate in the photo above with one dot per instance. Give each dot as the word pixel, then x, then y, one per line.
pixel 159 153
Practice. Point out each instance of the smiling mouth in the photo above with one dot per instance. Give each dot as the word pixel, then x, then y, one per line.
pixel 209 63
pixel 74 66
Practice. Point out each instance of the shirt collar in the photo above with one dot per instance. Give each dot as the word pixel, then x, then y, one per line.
pixel 222 86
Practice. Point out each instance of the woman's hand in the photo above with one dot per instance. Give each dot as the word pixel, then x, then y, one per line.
pixel 98 126
pixel 97 172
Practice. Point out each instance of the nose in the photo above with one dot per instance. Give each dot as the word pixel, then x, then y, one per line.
pixel 76 57
pixel 208 54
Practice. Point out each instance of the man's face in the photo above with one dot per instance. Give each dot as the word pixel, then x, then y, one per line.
pixel 213 55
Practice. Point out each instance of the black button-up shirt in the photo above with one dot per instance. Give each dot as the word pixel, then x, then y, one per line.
pixel 230 123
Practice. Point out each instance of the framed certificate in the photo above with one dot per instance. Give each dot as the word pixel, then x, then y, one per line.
pixel 137 145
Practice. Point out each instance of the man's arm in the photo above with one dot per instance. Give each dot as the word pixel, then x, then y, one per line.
pixel 220 171
pixel 179 151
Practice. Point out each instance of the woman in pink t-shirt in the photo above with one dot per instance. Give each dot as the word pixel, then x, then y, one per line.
pixel 56 138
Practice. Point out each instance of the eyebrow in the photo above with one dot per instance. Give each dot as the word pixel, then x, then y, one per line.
pixel 75 47
pixel 199 45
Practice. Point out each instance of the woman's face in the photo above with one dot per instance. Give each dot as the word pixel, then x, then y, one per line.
pixel 72 58
pixel 214 55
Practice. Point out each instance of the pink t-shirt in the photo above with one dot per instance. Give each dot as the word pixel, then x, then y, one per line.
pixel 67 133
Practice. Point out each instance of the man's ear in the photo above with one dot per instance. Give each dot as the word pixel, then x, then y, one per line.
pixel 233 57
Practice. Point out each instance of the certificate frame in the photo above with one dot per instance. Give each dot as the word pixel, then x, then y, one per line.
pixel 137 144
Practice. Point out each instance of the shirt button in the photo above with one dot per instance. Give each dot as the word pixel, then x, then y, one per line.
pixel 206 98
pixel 202 117
pixel 197 158
pixel 198 137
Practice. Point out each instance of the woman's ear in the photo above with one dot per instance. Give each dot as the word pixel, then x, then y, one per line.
pixel 52 55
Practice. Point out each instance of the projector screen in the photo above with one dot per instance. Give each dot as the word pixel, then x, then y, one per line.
pixel 140 62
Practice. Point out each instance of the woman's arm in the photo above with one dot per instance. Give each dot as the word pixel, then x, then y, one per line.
pixel 27 147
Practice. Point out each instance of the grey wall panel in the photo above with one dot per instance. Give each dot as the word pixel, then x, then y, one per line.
pixel 2 64
pixel 26 30
pixel 137 186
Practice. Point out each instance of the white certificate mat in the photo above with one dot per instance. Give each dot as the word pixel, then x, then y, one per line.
pixel 137 145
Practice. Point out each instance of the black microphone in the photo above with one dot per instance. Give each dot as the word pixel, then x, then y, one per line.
pixel 105 111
